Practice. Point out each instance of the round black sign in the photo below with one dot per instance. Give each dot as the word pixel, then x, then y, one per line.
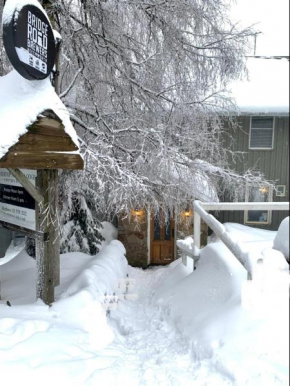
pixel 29 43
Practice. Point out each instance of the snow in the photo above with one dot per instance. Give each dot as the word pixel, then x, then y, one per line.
pixel 109 232
pixel 207 327
pixel 15 5
pixel 187 246
pixel 266 91
pixel 21 102
pixel 233 345
pixel 281 242
pixel 13 250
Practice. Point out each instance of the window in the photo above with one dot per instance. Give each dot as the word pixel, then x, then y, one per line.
pixel 281 190
pixel 262 133
pixel 254 194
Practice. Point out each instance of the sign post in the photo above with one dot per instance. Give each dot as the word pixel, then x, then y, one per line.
pixel 31 48
pixel 47 249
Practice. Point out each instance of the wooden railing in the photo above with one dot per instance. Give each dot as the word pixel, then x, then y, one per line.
pixel 200 212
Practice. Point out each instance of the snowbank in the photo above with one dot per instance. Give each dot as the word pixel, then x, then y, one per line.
pixel 207 327
pixel 237 328
pixel 109 232
pixel 21 102
pixel 75 325
pixel 281 242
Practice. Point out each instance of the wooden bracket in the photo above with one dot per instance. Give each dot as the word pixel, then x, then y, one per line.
pixel 37 235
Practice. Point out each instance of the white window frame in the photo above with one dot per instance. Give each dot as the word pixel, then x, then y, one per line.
pixel 269 217
pixel 283 193
pixel 273 135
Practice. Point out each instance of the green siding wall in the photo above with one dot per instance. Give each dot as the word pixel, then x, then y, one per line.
pixel 274 164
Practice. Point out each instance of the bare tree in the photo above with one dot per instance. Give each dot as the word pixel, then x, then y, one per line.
pixel 146 83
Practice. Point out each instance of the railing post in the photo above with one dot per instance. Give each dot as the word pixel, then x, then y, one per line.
pixel 197 229
pixel 184 258
pixel 197 234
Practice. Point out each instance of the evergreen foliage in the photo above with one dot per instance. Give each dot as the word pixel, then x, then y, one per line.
pixel 79 223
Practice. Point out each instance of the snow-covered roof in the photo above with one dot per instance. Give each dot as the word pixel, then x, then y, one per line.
pixel 267 90
pixel 21 102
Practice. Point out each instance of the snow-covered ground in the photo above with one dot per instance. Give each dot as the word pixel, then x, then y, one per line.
pixel 207 327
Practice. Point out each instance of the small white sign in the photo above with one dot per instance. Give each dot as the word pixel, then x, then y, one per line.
pixel 31 60
pixel 17 207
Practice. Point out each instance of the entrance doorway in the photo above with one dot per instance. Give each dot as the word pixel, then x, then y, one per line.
pixel 162 236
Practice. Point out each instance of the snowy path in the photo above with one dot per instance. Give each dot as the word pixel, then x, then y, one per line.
pixel 38 346
pixel 149 350
pixel 64 345
pixel 154 351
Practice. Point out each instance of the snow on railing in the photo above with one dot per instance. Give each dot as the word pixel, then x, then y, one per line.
pixel 188 250
pixel 200 211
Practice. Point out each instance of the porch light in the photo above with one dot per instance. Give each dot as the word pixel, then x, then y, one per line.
pixel 264 190
pixel 137 212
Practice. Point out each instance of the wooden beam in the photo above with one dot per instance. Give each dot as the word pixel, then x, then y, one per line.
pixel 27 232
pixel 40 161
pixel 32 190
pixel 41 143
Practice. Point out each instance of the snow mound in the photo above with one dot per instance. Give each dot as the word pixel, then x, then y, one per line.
pixel 21 102
pixel 109 232
pixel 235 327
pixel 101 275
pixel 78 308
pixel 281 242
pixel 216 281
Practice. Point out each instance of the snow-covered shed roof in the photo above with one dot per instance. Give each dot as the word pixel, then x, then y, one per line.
pixel 23 103
pixel 267 89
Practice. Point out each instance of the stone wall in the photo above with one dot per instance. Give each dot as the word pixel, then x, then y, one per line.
pixel 133 234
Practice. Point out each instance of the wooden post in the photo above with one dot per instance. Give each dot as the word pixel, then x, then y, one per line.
pixel 55 237
pixel 54 230
pixel 197 229
pixel 47 249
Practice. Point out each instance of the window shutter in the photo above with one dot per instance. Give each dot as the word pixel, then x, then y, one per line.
pixel 261 138
pixel 262 133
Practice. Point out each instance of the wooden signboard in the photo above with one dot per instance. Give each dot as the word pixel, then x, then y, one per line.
pixel 29 168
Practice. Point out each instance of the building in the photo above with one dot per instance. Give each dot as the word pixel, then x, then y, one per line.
pixel 150 237
pixel 262 138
